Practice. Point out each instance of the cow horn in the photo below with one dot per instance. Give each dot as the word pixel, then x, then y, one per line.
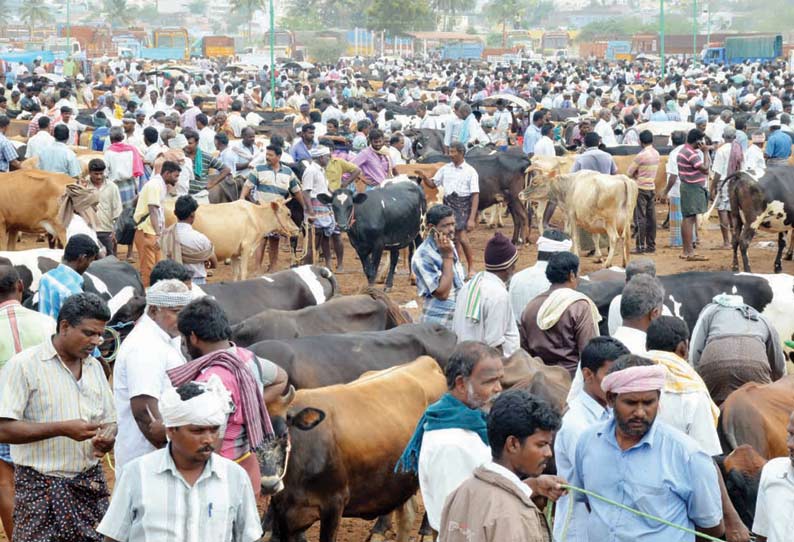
pixel 288 397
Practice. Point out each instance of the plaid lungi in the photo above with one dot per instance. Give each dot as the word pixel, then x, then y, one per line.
pixel 127 191
pixel 48 508
pixel 461 207
pixel 675 222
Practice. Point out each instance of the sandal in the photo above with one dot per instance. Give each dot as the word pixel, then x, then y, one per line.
pixel 696 258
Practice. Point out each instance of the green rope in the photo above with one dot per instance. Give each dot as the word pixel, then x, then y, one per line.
pixel 637 512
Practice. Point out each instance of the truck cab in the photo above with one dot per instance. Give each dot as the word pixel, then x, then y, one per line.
pixel 713 55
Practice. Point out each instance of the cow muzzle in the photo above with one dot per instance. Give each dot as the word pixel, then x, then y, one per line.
pixel 273 459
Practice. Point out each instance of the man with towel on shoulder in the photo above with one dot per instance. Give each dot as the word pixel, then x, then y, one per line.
pixel 217 502
pixel 642 462
pixel 183 244
pixel 482 307
pixel 558 324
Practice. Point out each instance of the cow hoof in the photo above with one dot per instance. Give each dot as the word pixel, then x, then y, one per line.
pixel 778 269
pixel 387 289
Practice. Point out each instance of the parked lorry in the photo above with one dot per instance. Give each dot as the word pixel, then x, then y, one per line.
pixel 739 49
pixel 213 47
pixel 462 51
pixel 95 40
pixel 618 50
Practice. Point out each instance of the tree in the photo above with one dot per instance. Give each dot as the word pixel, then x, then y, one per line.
pixel 398 16
pixel 198 7
pixel 248 7
pixel 118 12
pixel 34 12
pixel 323 14
pixel 449 8
pixel 503 12
pixel 149 14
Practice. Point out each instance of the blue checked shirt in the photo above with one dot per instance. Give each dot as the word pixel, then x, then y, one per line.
pixel 8 153
pixel 427 265
pixel 57 285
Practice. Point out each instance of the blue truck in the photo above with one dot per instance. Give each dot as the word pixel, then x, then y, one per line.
pixel 462 51
pixel 740 49
pixel 618 50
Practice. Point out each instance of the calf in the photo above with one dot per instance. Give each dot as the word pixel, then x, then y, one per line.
pixel 766 204
pixel 337 446
pixel 383 218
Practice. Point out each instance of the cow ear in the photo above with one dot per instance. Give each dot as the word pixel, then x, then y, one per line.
pixel 307 419
pixel 324 198
pixel 275 204
pixel 360 198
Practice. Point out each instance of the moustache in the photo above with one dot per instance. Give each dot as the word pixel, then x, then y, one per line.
pixel 209 449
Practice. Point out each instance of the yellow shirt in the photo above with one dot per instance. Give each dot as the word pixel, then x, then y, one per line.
pixel 336 168
pixel 152 193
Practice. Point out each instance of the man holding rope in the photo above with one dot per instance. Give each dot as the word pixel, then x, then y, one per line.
pixel 636 461
pixel 315 183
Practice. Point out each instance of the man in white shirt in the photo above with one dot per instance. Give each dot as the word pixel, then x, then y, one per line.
pixel 643 297
pixel 772 521
pixel 236 120
pixel 545 145
pixel 206 134
pixel 396 144
pixel 754 162
pixel 187 246
pixel 75 128
pixel 604 129
pixel 528 283
pixel 41 140
pixel 482 307
pixel 586 409
pixel 634 267
pixel 139 374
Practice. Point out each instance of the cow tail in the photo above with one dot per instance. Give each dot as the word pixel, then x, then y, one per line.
pixel 395 316
pixel 629 216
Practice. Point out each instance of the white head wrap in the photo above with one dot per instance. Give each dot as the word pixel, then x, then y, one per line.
pixel 550 245
pixel 168 293
pixel 178 142
pixel 317 152
pixel 728 300
pixel 208 409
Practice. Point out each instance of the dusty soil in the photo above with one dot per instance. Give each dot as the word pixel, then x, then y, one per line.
pixel 667 262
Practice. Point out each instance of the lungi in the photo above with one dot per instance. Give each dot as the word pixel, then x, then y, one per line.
pixel 461 207
pixel 675 222
pixel 694 199
pixel 324 218
pixel 730 361
pixel 127 191
pixel 47 508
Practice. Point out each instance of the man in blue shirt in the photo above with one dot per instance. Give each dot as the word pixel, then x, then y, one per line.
pixel 56 285
pixel 778 146
pixel 58 158
pixel 9 159
pixel 532 134
pixel 645 464
pixel 300 150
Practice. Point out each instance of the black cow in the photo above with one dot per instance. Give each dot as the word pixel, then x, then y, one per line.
pixel 629 150
pixel 287 290
pixel 323 360
pixel 371 311
pixel 687 293
pixel 766 204
pixel 426 141
pixel 385 218
pixel 559 114
pixel 502 177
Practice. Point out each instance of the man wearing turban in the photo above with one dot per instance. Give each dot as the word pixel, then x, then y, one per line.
pixel 645 464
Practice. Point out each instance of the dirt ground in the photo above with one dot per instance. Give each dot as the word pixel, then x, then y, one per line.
pixel 667 262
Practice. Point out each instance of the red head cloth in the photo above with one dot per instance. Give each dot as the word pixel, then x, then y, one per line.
pixel 635 379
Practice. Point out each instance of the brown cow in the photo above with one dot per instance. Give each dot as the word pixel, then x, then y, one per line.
pixel 345 441
pixel 29 201
pixel 523 371
pixel 236 228
pixel 757 414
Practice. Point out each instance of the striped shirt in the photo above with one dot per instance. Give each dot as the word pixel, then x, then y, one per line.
pixel 152 502
pixel 271 185
pixel 21 328
pixel 39 388
pixel 427 265
pixel 689 162
pixel 8 153
pixel 55 286
pixel 643 168
pixel 208 162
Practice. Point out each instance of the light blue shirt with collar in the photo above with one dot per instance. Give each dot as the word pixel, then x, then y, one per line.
pixel 666 474
pixel 583 413
pixel 531 136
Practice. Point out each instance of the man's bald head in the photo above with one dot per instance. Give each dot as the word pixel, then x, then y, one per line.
pixel 10 284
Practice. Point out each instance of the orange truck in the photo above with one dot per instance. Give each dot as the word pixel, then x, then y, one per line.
pixel 214 47
pixel 95 40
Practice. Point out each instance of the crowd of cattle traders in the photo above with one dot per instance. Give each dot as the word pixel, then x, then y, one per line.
pixel 536 404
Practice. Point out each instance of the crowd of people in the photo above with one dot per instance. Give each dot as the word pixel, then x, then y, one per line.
pixel 187 407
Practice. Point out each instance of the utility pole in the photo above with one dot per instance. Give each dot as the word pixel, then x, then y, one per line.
pixel 661 37
pixel 272 57
pixel 695 32
pixel 68 28
pixel 708 24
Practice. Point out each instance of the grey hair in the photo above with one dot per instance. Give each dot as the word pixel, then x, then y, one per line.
pixel 396 126
pixel 465 109
pixel 117 132
pixel 458 146
pixel 465 357
pixel 639 266
pixel 729 134
pixel 642 294
pixel 726 115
